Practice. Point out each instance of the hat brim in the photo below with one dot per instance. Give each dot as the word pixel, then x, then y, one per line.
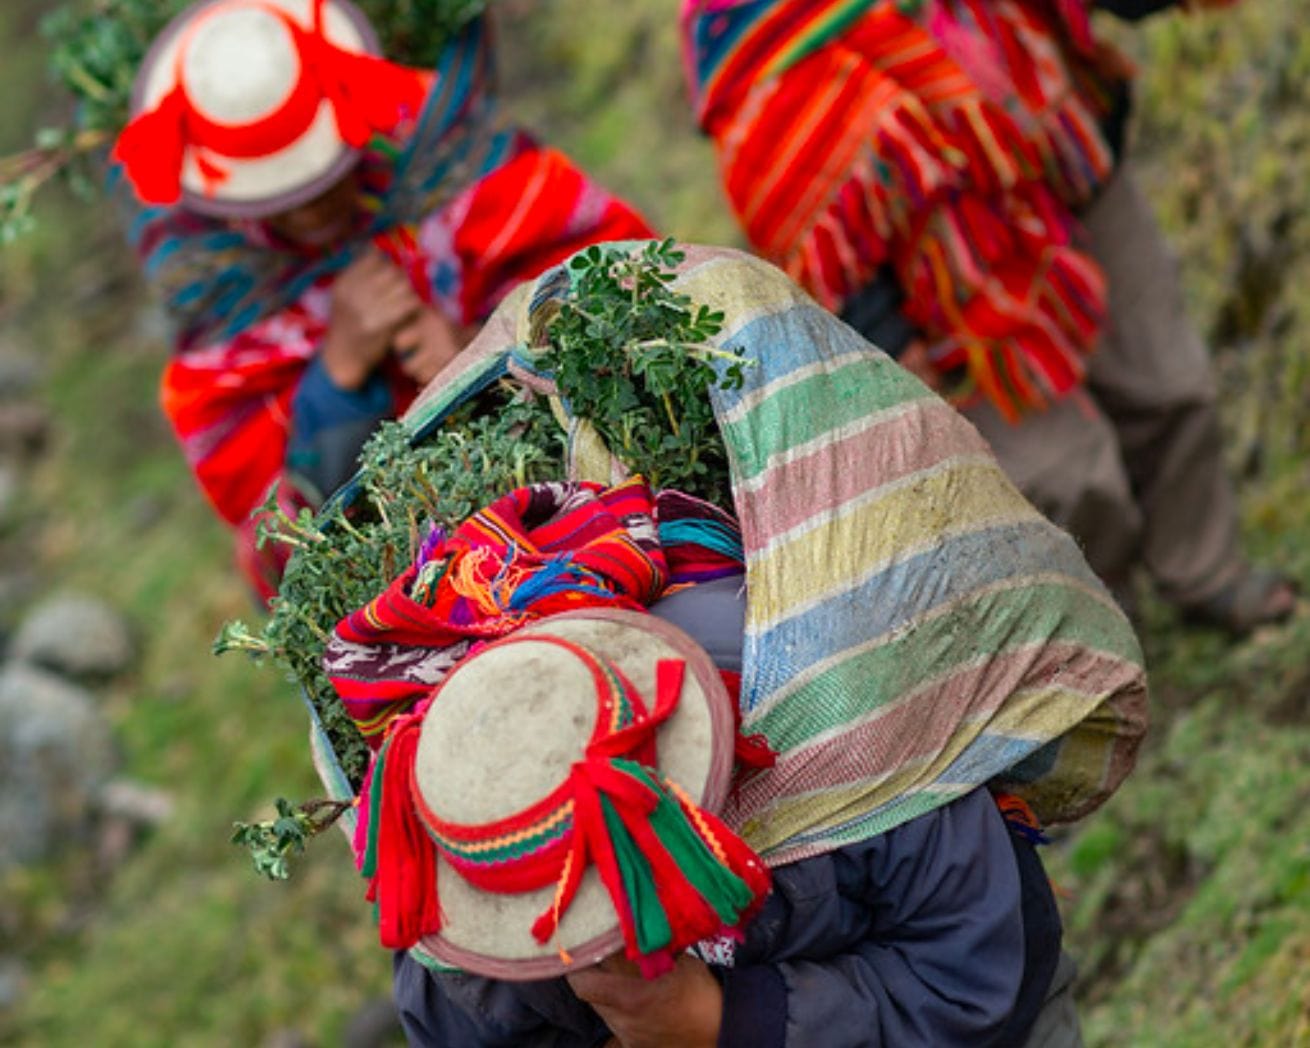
pixel 268 185
pixel 490 934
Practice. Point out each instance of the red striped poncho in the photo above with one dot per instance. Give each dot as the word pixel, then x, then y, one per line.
pixel 949 139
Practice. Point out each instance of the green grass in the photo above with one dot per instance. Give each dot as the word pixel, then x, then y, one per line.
pixel 1187 898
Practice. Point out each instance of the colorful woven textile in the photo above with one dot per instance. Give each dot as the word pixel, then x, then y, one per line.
pixel 700 541
pixel 914 628
pixel 947 138
pixel 537 551
pixel 467 207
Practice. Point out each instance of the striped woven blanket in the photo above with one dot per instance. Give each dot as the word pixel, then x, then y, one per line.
pixel 914 628
pixel 535 552
pixel 947 139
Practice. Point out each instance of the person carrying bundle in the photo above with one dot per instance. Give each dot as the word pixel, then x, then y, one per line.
pixel 326 229
pixel 949 176
pixel 651 771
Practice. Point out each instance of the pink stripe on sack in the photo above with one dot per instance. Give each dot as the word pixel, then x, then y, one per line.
pixel 911 731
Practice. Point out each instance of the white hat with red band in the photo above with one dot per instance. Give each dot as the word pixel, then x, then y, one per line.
pixel 248 107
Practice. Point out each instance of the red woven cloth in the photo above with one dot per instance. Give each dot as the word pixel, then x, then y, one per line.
pixel 948 139
pixel 538 551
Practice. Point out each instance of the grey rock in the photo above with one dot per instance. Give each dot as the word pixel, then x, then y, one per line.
pixel 56 751
pixel 135 803
pixel 13 983
pixel 24 429
pixel 75 635
pixel 19 373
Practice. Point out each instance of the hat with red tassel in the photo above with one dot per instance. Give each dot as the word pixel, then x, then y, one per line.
pixel 553 804
pixel 243 108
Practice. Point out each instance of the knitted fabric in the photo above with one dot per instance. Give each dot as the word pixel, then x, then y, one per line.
pixel 949 139
pixel 699 540
pixel 914 628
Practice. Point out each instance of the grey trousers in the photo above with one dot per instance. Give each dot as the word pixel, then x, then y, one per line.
pixel 1057 1022
pixel 1132 465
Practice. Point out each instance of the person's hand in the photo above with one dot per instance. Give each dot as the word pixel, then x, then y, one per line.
pixel 915 360
pixel 427 342
pixel 372 300
pixel 682 1009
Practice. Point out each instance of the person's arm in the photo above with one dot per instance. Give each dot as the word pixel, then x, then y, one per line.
pixel 939 959
pixel 913 938
pixel 875 312
pixel 329 426
pixel 230 404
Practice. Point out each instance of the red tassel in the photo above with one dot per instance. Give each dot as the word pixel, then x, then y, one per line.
pixel 150 149
pixel 690 916
pixel 733 852
pixel 368 94
pixel 405 885
pixel 751 751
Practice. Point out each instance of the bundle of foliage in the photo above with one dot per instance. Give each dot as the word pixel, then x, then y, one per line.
pixel 628 354
pixel 96 47
pixel 346 555
pixel 631 357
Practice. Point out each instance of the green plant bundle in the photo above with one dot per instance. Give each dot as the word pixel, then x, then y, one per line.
pixel 632 357
pixel 628 354
pixel 96 47
pixel 345 556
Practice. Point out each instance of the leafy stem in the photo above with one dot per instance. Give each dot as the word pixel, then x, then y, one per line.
pixel 274 842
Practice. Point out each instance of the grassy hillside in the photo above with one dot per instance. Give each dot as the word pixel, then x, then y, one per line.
pixel 1188 898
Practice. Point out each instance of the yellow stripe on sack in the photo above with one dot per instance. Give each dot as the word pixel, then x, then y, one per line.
pixel 828 807
pixel 891 523
pixel 743 288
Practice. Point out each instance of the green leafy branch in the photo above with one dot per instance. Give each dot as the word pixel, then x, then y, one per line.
pixel 628 354
pixel 273 843
pixel 345 556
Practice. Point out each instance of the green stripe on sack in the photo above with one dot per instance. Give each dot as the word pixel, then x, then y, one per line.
pixel 787 418
pixel 726 893
pixel 649 921
pixel 872 678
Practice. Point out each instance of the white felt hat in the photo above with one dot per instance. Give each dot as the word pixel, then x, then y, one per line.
pixel 503 732
pixel 241 66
